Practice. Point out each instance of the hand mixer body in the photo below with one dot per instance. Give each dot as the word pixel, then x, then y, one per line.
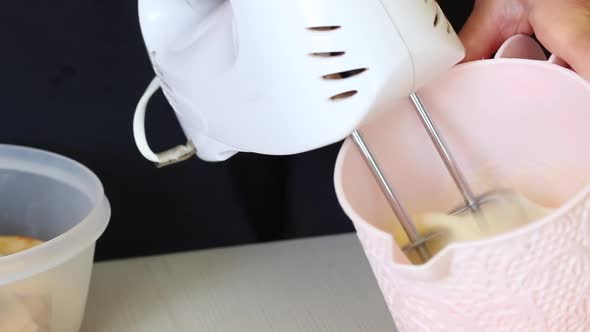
pixel 285 77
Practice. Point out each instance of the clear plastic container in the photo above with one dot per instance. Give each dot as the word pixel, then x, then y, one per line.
pixel 59 201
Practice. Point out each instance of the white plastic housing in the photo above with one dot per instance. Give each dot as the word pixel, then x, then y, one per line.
pixel 245 75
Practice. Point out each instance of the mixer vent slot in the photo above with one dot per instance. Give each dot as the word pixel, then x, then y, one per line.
pixel 327 54
pixel 339 75
pixel 325 28
pixel 344 74
pixel 344 95
pixel 438 16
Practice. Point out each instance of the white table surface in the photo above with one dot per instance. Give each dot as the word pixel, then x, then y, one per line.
pixel 319 284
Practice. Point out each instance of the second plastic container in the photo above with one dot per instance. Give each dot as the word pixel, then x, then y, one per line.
pixel 59 201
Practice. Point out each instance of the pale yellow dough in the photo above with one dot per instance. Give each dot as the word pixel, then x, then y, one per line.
pixel 21 313
pixel 499 216
pixel 13 244
pixel 15 316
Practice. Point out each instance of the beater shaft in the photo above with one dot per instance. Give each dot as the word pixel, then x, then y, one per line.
pixel 416 240
pixel 444 152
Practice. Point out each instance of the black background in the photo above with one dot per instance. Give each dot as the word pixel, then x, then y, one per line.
pixel 73 72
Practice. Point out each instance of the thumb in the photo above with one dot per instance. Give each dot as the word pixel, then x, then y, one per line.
pixel 480 34
pixel 566 33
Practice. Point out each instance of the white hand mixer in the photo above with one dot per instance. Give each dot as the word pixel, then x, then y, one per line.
pixel 285 77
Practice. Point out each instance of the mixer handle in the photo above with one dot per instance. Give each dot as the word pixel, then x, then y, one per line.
pixel 165 158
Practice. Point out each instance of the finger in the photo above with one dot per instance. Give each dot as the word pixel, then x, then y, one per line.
pixel 481 35
pixel 565 32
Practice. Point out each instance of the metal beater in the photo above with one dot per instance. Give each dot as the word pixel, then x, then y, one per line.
pixel 472 202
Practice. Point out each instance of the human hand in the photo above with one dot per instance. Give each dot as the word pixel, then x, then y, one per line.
pixel 562 26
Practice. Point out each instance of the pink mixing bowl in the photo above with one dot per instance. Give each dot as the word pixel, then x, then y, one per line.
pixel 523 122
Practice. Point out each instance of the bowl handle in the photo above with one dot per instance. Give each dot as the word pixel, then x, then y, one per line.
pixel 521 47
pixel 525 47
